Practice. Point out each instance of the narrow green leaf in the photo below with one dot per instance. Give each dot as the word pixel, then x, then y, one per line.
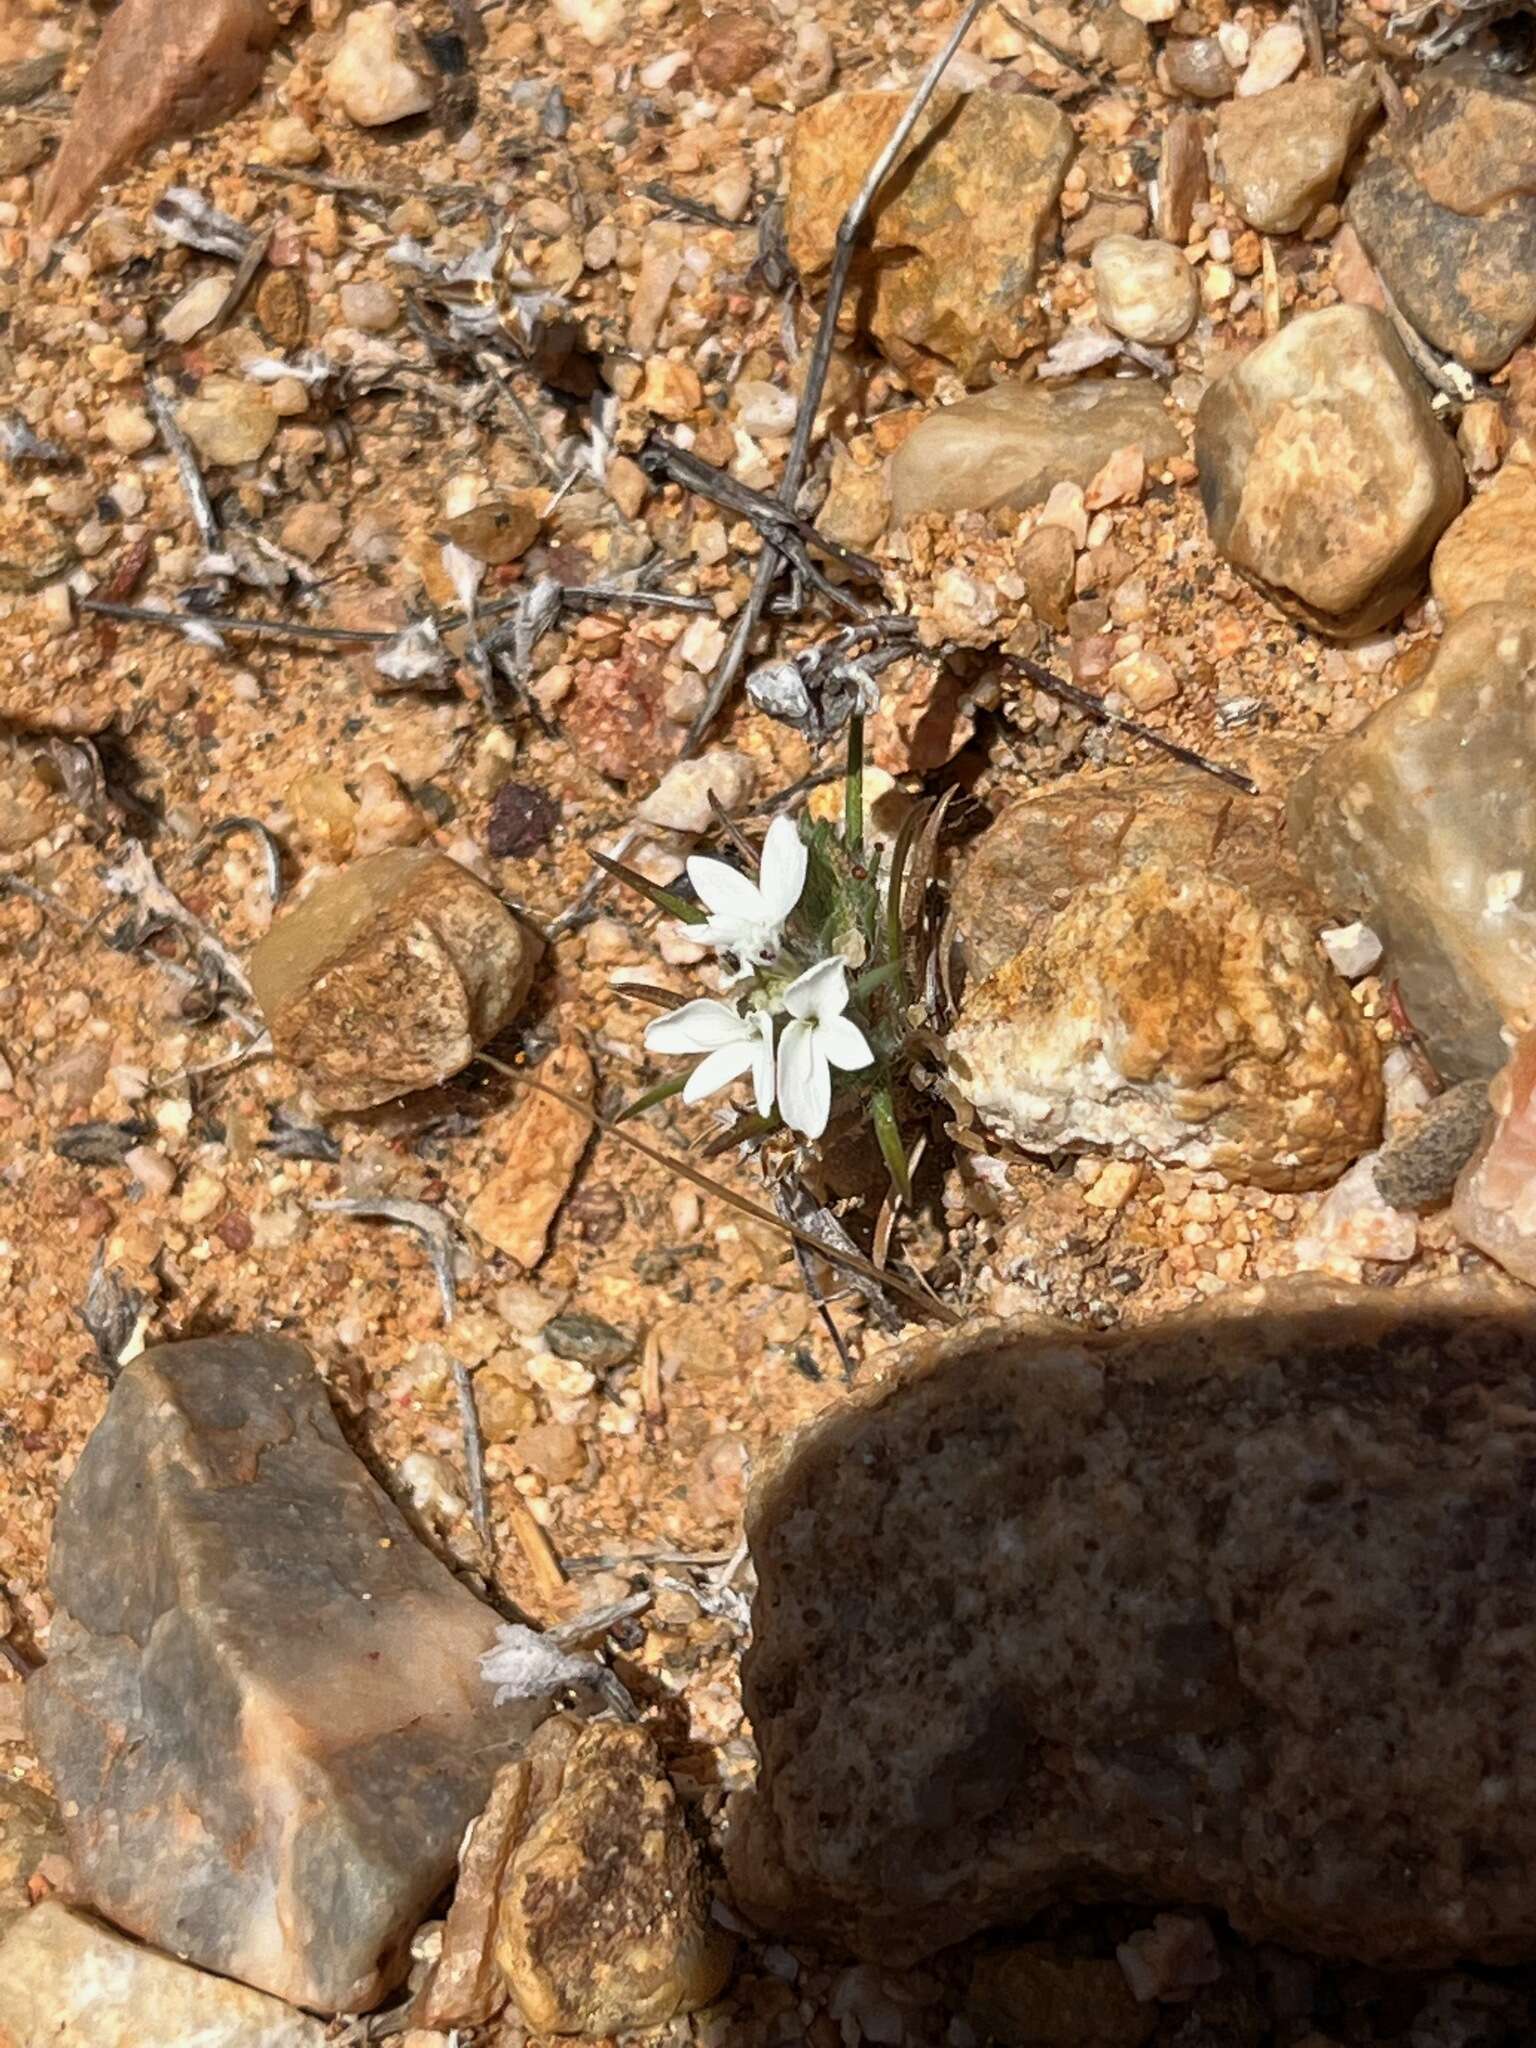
pixel 876 977
pixel 853 796
pixel 742 1132
pixel 674 906
pixel 662 1092
pixel 892 1150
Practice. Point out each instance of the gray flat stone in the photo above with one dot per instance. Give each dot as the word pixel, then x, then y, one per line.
pixel 263 1711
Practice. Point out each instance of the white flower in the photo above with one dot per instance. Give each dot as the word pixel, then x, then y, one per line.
pixel 732 1045
pixel 747 918
pixel 817 1038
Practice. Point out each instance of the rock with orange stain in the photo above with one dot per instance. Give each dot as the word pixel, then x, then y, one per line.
pixel 262 1711
pixel 164 68
pixel 541 1145
pixel 1495 1203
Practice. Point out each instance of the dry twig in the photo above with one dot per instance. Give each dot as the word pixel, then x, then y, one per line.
pixel 728 668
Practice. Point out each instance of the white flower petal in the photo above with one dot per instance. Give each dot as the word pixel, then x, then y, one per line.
pixel 805 1080
pixel 843 1044
pixel 821 992
pixel 781 875
pixel 762 1064
pixel 725 891
pixel 719 1069
pixel 697 1027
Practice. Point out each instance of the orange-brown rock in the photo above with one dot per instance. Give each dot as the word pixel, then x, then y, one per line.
pixel 540 1144
pixel 1487 555
pixel 604 1925
pixel 957 229
pixel 1146 980
pixel 164 68
pixel 1222 1610
pixel 390 975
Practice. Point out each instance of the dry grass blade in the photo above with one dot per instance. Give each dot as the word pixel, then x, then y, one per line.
pixel 854 1261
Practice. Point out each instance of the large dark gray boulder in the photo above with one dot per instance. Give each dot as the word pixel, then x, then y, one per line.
pixel 1235 1609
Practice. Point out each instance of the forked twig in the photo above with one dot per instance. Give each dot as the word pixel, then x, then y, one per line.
pixel 851 227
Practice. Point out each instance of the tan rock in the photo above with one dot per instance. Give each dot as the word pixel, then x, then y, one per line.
pixel 128 428
pixel 1145 980
pixel 1047 561
pixel 541 1146
pixel 1010 446
pixel 390 975
pixel 1125 215
pixel 163 68
pixel 857 507
pixel 1326 477
pixel 1145 290
pixel 604 1925
pixel 68 1982
pixel 498 530
pixel 466 1988
pixel 311 528
pixel 1182 179
pixel 229 421
pixel 1487 555
pixel 380 73
pixel 1034 1606
pixel 956 233
pixel 1282 154
pixel 1423 822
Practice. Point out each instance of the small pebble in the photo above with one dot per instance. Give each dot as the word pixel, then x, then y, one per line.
pixel 1145 290
pixel 380 73
pixel 588 1340
pixel 195 309
pixel 290 140
pixel 1354 949
pixel 1275 57
pixel 371 308
pixel 128 428
pixel 521 821
pixel 310 529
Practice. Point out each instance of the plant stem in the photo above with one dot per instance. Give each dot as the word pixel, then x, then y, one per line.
pixel 853 800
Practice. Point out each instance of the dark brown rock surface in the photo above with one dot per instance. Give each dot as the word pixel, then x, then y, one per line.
pixel 263 1711
pixel 1232 1609
pixel 1445 204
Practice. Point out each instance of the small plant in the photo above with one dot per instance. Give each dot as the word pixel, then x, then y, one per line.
pixel 822 1009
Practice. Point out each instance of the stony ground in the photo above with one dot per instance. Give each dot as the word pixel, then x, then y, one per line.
pixel 630 158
